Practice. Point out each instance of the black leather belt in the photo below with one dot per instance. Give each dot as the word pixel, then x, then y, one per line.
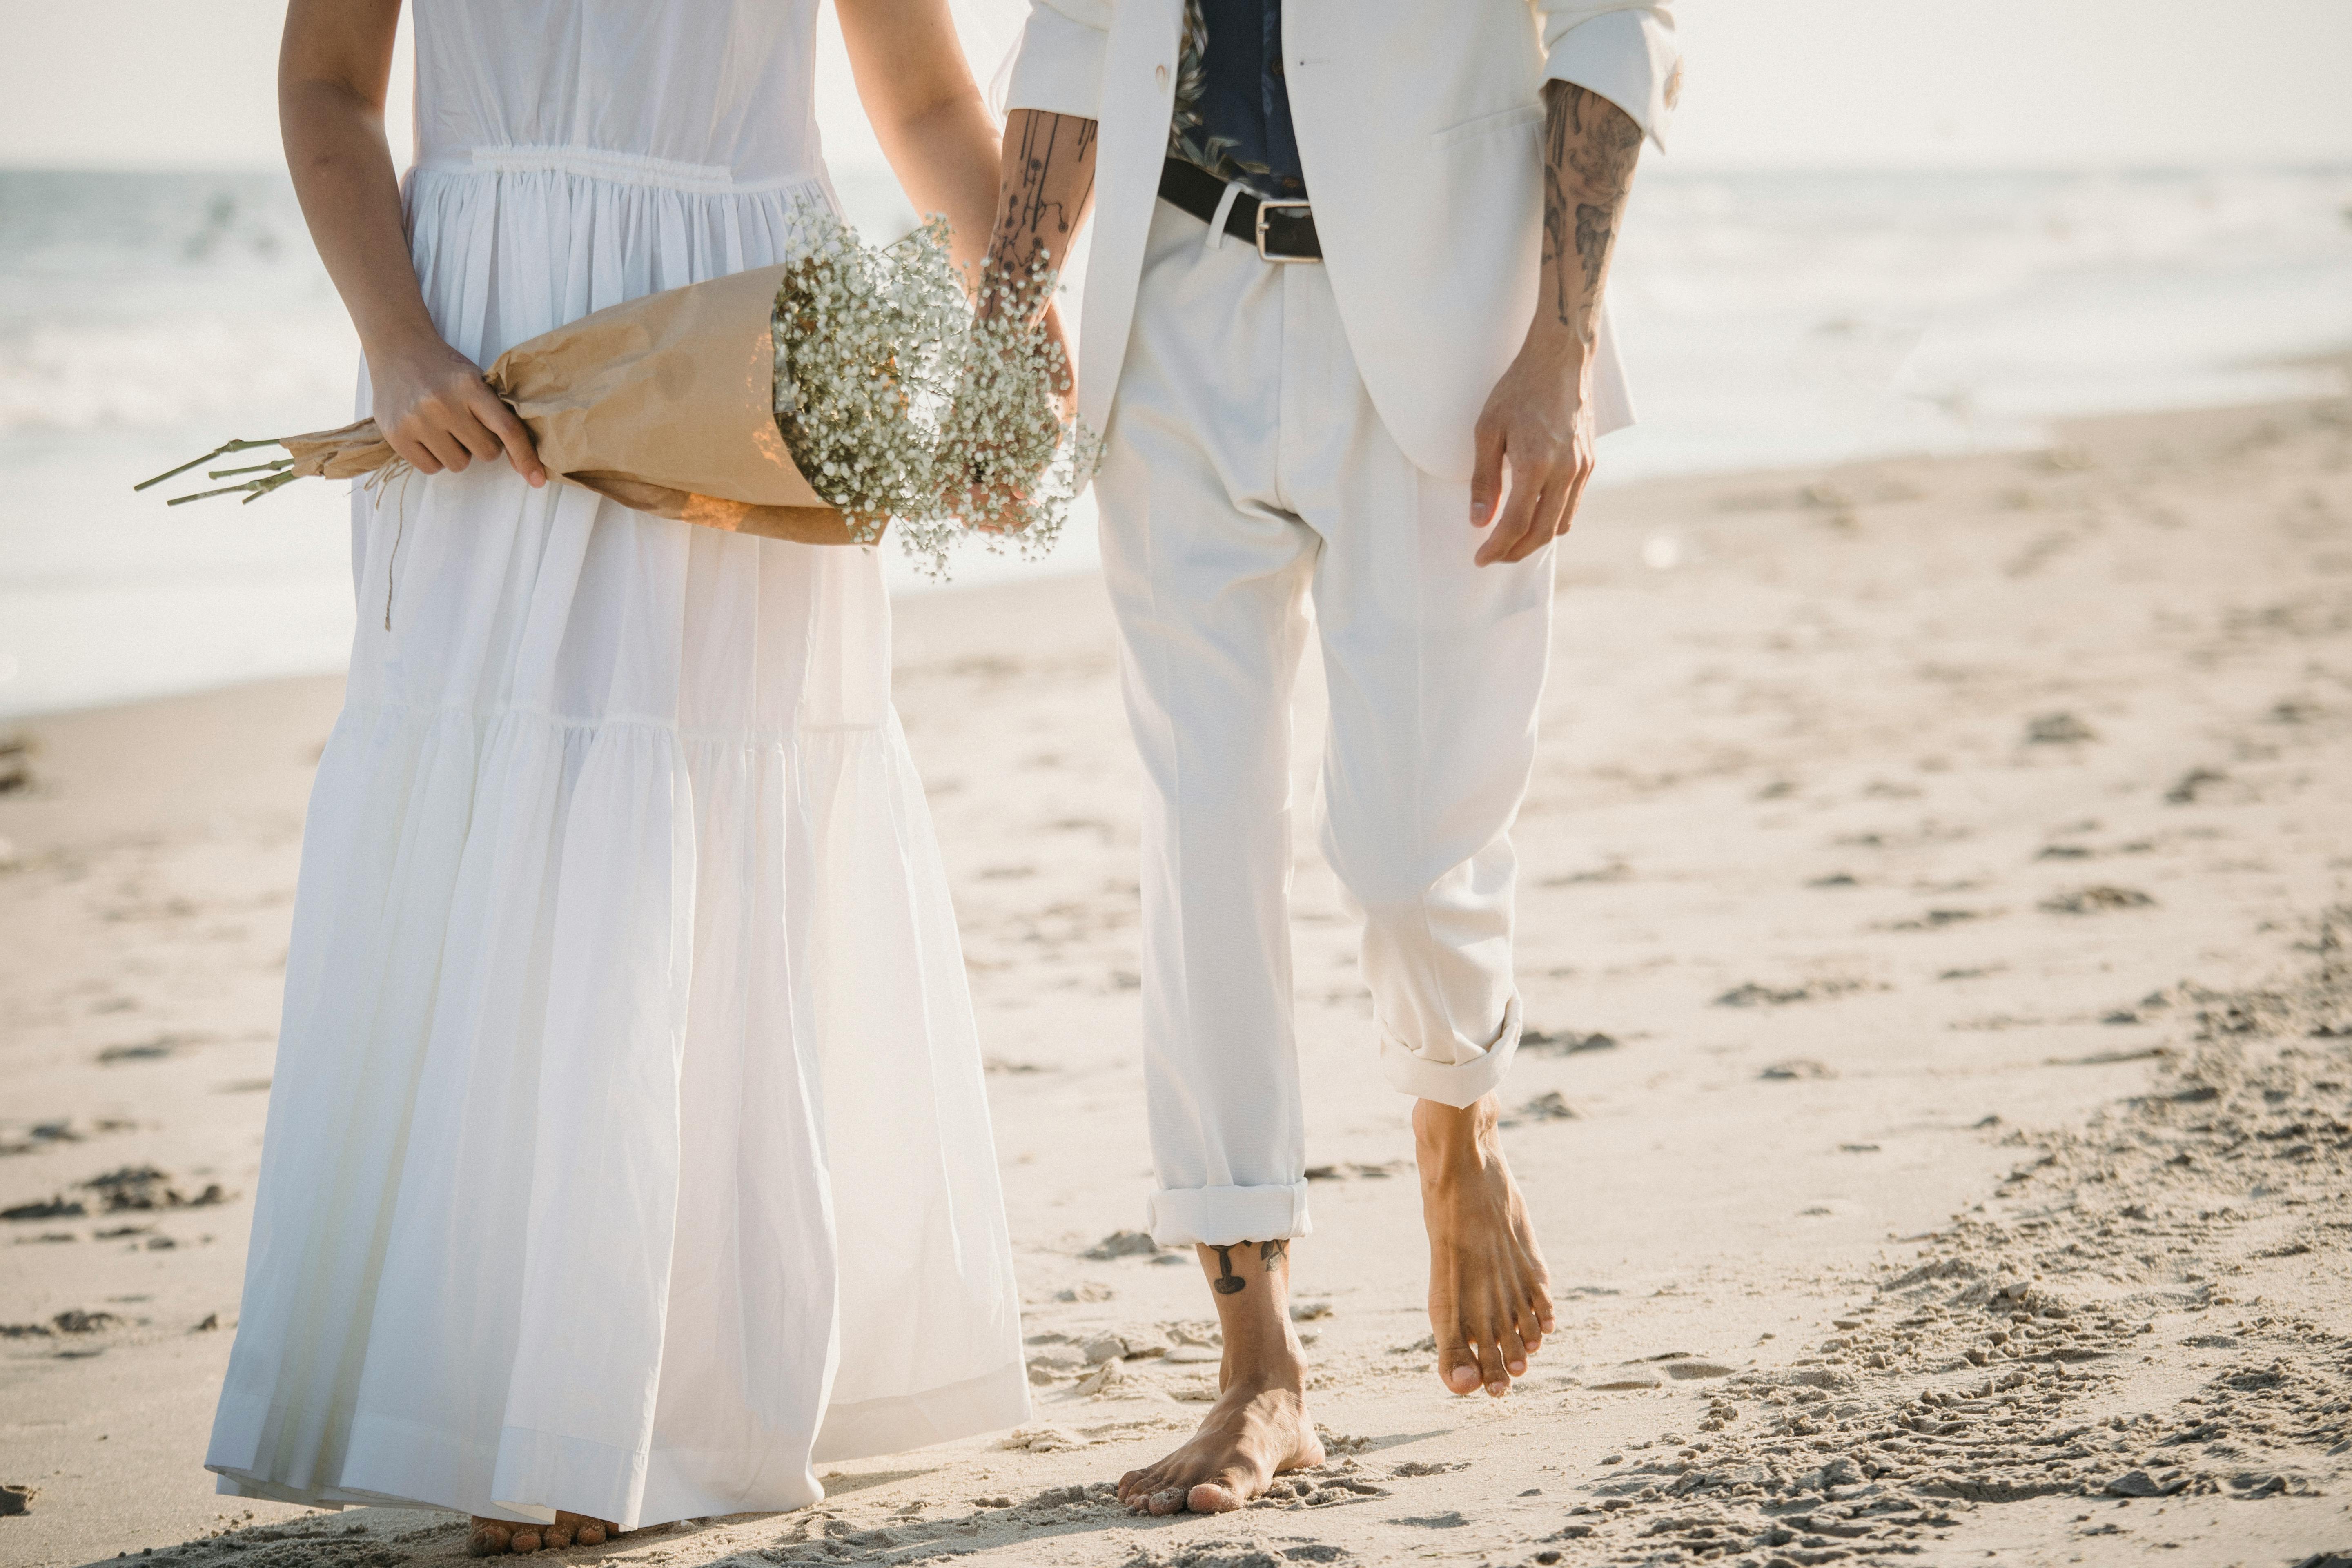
pixel 1282 231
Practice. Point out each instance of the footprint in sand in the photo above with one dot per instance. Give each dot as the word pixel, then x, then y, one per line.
pixel 1566 1042
pixel 2058 729
pixel 2192 785
pixel 2096 901
pixel 1551 1105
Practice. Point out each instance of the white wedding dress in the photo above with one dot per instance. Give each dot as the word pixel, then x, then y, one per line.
pixel 628 1149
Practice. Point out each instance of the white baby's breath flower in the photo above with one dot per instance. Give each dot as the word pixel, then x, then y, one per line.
pixel 900 404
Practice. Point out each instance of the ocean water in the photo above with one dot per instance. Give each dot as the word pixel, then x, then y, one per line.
pixel 1776 319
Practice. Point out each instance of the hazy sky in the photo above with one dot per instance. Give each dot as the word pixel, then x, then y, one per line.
pixel 188 82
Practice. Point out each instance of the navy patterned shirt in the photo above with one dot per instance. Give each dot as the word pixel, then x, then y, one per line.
pixel 1233 107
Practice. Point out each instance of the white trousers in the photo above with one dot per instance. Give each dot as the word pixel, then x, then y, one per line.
pixel 1247 469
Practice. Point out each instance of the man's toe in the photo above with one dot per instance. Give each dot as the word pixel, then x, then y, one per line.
pixel 1515 1351
pixel 1457 1365
pixel 1223 1495
pixel 1461 1374
pixel 1490 1366
pixel 1167 1500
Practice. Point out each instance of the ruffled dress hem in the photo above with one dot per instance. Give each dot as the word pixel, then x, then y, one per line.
pixel 898 1424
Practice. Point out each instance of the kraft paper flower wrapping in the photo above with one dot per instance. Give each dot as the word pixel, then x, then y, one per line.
pixel 664 404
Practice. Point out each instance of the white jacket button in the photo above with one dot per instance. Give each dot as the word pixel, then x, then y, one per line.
pixel 1160 75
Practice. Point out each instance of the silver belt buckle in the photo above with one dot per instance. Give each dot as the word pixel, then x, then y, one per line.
pixel 1264 207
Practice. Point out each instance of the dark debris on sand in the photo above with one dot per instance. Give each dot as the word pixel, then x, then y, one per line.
pixel 133 1189
pixel 143 1188
pixel 1121 1243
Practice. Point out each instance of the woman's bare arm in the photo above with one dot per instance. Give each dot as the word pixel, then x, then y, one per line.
pixel 936 129
pixel 333 65
pixel 927 111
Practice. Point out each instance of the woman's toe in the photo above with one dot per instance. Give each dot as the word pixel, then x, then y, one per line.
pixel 593 1533
pixel 489 1539
pixel 525 1540
pixel 556 1537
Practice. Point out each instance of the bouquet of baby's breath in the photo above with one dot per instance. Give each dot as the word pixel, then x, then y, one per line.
pixel 819 400
pixel 901 402
pixel 867 343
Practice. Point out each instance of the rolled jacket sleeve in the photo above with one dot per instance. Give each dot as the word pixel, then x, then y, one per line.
pixel 1625 50
pixel 1060 66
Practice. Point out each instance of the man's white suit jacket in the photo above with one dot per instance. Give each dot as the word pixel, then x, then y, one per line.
pixel 1420 126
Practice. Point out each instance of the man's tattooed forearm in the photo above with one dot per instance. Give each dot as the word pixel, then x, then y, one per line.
pixel 1037 221
pixel 1590 148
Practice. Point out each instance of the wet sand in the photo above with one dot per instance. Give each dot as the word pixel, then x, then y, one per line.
pixel 1934 918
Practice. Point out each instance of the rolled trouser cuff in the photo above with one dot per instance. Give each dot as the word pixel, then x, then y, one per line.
pixel 1457 1084
pixel 1224 1217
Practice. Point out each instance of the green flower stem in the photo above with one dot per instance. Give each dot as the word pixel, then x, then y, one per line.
pixel 252 489
pixel 263 487
pixel 222 450
pixel 256 468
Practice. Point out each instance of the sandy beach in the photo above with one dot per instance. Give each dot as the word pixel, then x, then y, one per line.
pixel 1936 892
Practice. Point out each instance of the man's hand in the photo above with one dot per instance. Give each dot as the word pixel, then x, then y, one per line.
pixel 1046 187
pixel 1538 421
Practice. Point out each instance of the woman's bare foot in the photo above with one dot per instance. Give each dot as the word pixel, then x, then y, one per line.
pixel 499 1537
pixel 1489 1293
pixel 1259 1425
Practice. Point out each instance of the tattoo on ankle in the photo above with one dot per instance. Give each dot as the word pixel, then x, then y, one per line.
pixel 1269 1253
pixel 1227 1281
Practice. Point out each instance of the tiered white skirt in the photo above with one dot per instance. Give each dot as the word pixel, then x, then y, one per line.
pixel 628 1150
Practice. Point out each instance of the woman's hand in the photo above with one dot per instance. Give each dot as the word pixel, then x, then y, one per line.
pixel 435 410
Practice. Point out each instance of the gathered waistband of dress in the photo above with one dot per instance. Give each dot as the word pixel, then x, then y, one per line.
pixel 604 164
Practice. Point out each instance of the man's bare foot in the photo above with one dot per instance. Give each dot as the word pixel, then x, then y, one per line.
pixel 499 1537
pixel 1489 1293
pixel 1259 1427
